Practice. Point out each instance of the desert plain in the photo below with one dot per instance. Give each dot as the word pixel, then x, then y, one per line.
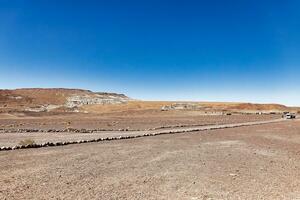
pixel 76 144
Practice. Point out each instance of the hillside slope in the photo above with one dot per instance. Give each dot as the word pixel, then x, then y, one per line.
pixel 59 99
pixel 246 106
pixel 77 100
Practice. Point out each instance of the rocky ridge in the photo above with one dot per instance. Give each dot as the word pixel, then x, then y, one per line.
pixel 54 99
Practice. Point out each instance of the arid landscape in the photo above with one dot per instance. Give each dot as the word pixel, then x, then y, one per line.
pixel 149 100
pixel 78 144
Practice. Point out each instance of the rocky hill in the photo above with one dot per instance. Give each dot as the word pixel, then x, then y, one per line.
pixel 60 100
pixel 54 99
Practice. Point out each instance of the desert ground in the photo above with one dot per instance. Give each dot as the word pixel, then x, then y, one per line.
pixel 254 162
pixel 76 127
pixel 76 144
pixel 138 120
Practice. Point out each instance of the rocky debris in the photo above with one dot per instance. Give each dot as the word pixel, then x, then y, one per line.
pixel 36 109
pixel 233 175
pixel 52 107
pixel 15 97
pixel 98 98
pixel 74 130
pixel 42 108
pixel 181 106
pixel 71 130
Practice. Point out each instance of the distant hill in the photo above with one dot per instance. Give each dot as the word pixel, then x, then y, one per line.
pixel 54 99
pixel 246 106
pixel 77 100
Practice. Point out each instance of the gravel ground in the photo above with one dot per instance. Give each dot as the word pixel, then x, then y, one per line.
pixel 13 139
pixel 127 120
pixel 254 162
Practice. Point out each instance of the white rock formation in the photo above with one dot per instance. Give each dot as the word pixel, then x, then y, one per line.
pixel 80 100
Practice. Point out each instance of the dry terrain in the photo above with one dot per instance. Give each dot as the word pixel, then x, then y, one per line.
pixel 49 101
pixel 255 162
pixel 134 120
pixel 259 160
pixel 15 140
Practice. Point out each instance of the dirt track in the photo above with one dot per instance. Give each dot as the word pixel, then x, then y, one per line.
pixel 13 139
pixel 132 120
pixel 254 162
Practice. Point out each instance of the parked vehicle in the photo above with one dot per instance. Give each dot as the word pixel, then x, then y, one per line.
pixel 289 116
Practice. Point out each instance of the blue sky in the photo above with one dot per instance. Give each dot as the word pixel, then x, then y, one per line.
pixel 244 51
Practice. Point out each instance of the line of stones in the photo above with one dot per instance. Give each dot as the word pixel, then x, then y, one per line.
pixel 50 144
pixel 73 130
pixel 58 130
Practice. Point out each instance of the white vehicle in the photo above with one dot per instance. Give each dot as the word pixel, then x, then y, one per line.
pixel 289 116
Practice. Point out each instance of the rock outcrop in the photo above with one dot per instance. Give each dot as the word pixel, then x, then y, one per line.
pixel 181 106
pixel 54 99
pixel 98 98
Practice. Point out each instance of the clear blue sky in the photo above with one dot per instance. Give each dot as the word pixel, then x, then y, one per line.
pixel 213 50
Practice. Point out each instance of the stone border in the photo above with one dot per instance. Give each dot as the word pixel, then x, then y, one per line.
pixel 189 130
pixel 74 130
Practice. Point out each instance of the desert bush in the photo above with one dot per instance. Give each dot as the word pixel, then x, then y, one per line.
pixel 26 142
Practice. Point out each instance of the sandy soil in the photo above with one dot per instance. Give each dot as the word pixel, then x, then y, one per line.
pixel 255 162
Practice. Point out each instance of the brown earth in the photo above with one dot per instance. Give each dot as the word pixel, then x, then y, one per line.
pixel 132 120
pixel 129 115
pixel 20 100
pixel 256 162
pixel 14 139
pixel 205 106
pixel 36 96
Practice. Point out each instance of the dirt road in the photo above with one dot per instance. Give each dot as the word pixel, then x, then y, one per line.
pixel 13 139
